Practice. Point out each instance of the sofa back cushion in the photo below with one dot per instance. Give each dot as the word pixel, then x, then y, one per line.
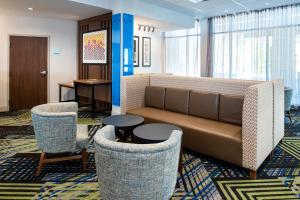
pixel 155 97
pixel 205 105
pixel 177 100
pixel 231 109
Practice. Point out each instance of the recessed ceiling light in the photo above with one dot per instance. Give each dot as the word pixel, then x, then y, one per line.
pixel 198 9
pixel 197 1
pixel 267 3
pixel 30 8
pixel 226 11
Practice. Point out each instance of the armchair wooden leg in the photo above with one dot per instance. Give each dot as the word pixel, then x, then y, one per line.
pixel 41 164
pixel 84 159
pixel 253 174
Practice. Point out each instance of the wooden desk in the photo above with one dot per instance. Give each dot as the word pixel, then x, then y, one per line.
pixel 87 88
pixel 66 85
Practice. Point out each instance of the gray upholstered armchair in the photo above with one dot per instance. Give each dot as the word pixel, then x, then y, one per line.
pixel 136 171
pixel 56 131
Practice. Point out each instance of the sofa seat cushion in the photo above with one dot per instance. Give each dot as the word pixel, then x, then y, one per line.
pixel 213 138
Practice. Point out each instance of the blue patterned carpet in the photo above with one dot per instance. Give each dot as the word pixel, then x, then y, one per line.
pixel 202 177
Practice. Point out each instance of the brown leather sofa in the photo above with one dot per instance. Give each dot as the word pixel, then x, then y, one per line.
pixel 239 121
pixel 214 119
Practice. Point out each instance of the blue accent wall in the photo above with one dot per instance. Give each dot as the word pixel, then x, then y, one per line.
pixel 127 39
pixel 116 62
pixel 128 28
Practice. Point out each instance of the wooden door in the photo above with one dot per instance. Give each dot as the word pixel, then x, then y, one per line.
pixel 28 72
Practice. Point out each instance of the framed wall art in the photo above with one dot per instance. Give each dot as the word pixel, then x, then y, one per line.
pixel 136 52
pixel 146 52
pixel 94 49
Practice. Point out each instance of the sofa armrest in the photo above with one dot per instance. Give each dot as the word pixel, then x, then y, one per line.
pixel 278 103
pixel 133 92
pixel 257 126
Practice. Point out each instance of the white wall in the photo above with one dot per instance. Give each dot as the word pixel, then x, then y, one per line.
pixel 62 35
pixel 156 52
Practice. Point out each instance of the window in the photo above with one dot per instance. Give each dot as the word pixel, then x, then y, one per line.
pixel 183 52
pixel 260 45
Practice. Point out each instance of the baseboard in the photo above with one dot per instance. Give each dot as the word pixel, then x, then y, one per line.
pixel 116 110
pixel 4 108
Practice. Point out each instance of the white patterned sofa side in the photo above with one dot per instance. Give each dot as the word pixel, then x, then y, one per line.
pixel 257 128
pixel 133 92
pixel 278 124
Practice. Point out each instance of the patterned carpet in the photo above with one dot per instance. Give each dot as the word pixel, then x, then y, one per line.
pixel 202 178
pixel 23 118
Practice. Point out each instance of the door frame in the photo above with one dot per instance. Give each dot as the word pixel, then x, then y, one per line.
pixel 8 63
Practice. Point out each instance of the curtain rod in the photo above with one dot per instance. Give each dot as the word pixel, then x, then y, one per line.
pixel 256 29
pixel 258 10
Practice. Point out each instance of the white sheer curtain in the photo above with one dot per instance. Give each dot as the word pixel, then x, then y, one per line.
pixel 261 45
pixel 183 52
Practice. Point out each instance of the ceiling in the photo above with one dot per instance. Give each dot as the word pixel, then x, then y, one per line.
pixel 66 9
pixel 62 9
pixel 160 26
pixel 218 7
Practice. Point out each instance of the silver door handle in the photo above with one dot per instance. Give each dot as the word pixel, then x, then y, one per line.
pixel 43 72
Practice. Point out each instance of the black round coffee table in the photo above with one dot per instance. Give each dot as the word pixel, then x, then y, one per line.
pixel 124 124
pixel 153 133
